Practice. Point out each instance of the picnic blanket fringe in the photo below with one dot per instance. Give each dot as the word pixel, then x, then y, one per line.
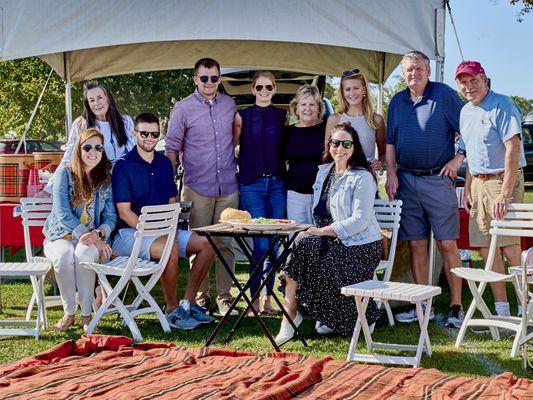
pixel 101 366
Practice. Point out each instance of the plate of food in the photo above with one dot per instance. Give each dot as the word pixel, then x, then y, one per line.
pixel 243 219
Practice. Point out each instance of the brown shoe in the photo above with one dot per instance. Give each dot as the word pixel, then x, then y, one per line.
pixel 85 321
pixel 65 323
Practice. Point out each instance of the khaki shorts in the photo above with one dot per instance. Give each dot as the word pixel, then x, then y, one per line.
pixel 483 194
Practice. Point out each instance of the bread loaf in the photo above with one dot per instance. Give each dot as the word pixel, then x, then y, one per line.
pixel 232 213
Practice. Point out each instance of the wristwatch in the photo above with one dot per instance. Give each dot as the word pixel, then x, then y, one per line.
pixel 98 233
pixel 461 152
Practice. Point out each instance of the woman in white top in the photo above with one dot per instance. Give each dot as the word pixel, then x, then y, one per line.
pixel 355 107
pixel 100 112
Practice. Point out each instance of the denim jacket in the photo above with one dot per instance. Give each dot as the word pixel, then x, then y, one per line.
pixel 351 205
pixel 65 217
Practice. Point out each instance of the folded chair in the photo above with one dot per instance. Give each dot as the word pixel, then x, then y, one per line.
pixel 154 221
pixel 388 214
pixel 34 213
pixel 518 221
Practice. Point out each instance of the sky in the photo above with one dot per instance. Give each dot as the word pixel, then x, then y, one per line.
pixel 489 33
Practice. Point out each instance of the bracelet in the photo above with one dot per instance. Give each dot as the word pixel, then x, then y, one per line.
pixel 98 233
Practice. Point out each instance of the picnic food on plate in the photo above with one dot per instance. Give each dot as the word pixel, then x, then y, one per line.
pixel 263 221
pixel 231 214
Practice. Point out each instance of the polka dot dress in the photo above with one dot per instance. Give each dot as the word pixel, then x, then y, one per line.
pixel 322 265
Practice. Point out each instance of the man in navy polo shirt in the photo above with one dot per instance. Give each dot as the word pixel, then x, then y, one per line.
pixel 145 177
pixel 421 125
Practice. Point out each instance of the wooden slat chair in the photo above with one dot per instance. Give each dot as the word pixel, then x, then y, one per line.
pixel 518 221
pixel 154 221
pixel 34 212
pixel 388 214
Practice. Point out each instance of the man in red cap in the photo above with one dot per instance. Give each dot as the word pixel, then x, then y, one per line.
pixel 490 125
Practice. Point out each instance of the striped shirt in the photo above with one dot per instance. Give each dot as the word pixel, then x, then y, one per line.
pixel 423 133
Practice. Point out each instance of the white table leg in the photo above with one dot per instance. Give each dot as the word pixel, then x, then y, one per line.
pixel 424 337
pixel 361 311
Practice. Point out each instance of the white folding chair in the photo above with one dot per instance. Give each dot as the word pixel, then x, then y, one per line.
pixel 154 221
pixel 34 212
pixel 518 221
pixel 388 214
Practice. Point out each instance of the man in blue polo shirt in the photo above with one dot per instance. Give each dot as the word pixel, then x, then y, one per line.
pixel 491 127
pixel 421 166
pixel 145 177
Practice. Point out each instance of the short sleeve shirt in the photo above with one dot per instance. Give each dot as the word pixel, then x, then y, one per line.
pixel 424 133
pixel 141 183
pixel 485 128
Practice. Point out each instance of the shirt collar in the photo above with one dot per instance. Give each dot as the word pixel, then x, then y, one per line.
pixel 427 91
pixel 201 98
pixel 134 156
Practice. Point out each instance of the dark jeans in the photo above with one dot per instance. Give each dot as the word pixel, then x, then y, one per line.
pixel 265 197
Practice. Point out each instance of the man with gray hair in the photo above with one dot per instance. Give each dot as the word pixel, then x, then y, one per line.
pixel 421 166
pixel 491 131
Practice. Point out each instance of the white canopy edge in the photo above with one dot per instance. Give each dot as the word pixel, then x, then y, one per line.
pixel 93 38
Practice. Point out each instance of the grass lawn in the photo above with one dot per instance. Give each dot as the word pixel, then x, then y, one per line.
pixel 478 356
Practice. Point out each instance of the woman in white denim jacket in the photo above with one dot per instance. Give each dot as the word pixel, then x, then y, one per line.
pixel 82 218
pixel 345 245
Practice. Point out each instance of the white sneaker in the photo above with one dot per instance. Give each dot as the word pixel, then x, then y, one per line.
pixel 407 317
pixel 286 331
pixel 322 329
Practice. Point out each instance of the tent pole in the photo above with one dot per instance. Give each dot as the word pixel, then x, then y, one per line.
pixel 380 98
pixel 68 93
pixel 380 83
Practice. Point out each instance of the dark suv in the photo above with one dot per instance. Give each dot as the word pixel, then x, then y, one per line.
pixel 9 146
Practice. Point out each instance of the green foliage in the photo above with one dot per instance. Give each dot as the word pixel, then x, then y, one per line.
pixel 526 105
pixel 526 7
pixel 330 93
pixel 389 90
pixel 21 82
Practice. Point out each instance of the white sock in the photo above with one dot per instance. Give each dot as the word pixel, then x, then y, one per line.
pixel 519 311
pixel 502 308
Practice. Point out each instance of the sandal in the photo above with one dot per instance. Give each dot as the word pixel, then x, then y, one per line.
pixel 250 313
pixel 268 310
pixel 65 323
pixel 85 321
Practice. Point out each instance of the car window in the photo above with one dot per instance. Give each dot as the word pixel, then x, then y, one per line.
pixel 526 136
pixel 48 147
pixel 13 146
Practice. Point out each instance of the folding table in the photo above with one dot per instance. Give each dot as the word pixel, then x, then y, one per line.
pixel 284 238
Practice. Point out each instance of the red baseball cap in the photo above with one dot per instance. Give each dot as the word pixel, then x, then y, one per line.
pixel 471 68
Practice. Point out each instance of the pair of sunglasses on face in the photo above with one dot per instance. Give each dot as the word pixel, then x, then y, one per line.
pixel 350 73
pixel 258 88
pixel 347 144
pixel 205 78
pixel 144 134
pixel 88 147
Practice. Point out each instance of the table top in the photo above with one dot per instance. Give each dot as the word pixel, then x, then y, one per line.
pixel 224 229
pixel 391 290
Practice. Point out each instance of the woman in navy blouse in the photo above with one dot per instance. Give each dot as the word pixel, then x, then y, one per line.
pixel 259 130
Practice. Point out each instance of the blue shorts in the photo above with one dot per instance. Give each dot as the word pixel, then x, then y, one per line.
pixel 429 204
pixel 124 239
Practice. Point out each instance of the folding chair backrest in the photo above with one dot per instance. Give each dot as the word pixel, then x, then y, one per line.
pixel 155 221
pixel 517 221
pixel 35 210
pixel 388 214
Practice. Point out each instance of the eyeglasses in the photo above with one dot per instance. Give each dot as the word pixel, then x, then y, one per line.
pixel 88 147
pixel 205 78
pixel 144 134
pixel 258 88
pixel 350 73
pixel 347 144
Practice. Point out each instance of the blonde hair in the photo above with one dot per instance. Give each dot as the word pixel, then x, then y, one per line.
pixel 82 189
pixel 304 91
pixel 368 108
pixel 263 74
pixel 415 56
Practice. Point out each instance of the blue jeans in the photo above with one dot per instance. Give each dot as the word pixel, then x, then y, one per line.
pixel 265 197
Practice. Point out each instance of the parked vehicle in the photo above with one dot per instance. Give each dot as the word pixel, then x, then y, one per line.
pixel 9 146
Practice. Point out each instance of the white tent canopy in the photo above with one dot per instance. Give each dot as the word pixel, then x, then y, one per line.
pixel 85 39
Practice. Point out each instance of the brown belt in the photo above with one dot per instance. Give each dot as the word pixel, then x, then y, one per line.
pixel 486 177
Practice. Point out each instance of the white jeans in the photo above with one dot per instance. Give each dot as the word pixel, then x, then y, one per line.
pixel 300 207
pixel 71 277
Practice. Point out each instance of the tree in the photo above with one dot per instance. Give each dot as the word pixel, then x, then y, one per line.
pixel 21 82
pixel 526 105
pixel 527 6
pixel 390 90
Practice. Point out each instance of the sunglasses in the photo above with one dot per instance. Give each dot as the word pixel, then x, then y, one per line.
pixel 347 144
pixel 88 147
pixel 349 73
pixel 144 134
pixel 258 88
pixel 205 78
